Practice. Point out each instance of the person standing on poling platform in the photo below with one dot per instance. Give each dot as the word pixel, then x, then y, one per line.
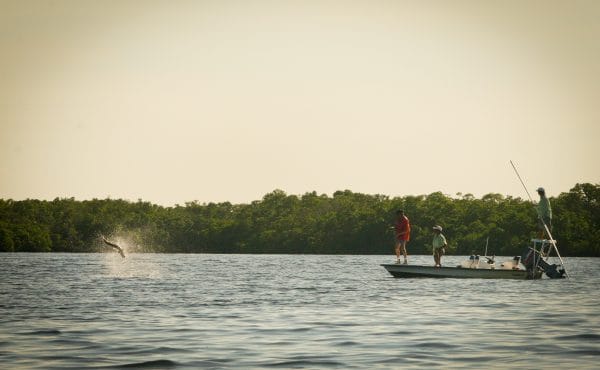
pixel 402 228
pixel 544 211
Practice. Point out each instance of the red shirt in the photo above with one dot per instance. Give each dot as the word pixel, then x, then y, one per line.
pixel 403 229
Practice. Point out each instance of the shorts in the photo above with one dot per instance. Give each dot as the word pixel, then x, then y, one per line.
pixel 547 221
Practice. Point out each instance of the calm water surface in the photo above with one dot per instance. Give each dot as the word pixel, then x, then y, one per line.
pixel 286 311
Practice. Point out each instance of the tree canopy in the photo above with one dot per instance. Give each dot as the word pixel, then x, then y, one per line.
pixel 343 223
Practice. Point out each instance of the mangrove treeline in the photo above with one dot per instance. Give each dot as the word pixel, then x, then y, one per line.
pixel 344 223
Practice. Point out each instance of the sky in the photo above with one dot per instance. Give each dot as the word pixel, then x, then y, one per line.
pixel 213 101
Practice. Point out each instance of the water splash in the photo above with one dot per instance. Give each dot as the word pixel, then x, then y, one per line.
pixel 135 265
pixel 129 241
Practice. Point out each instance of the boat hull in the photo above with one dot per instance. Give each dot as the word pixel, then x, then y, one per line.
pixel 416 271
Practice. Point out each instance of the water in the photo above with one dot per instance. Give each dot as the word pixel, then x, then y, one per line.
pixel 61 311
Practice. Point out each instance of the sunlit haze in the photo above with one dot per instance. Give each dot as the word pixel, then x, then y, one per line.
pixel 176 101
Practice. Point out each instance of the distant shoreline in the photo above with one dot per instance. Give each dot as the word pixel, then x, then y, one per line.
pixel 345 223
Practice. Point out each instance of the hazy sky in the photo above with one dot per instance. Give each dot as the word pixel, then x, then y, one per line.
pixel 175 101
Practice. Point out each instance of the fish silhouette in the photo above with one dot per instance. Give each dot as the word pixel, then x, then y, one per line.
pixel 119 249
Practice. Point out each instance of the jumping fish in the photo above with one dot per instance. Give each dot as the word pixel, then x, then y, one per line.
pixel 119 249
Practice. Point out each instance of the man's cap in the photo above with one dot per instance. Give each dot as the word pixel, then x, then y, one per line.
pixel 541 190
pixel 437 227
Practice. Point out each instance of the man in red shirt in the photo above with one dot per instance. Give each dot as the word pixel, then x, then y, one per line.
pixel 402 227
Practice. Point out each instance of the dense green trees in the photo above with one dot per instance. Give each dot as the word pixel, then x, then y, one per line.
pixel 346 222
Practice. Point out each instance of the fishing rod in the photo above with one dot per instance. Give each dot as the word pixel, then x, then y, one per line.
pixel 546 228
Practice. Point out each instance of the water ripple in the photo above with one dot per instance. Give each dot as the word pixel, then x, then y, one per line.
pixel 61 311
pixel 155 364
pixel 580 337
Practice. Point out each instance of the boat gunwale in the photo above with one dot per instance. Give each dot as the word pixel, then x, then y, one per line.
pixel 423 271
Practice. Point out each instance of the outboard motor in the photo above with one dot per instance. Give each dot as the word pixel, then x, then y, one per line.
pixel 553 272
pixel 532 259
